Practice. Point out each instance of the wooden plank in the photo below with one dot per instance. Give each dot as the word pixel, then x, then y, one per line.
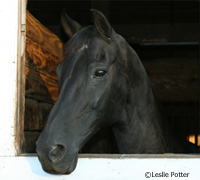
pixel 41 87
pixel 158 33
pixel 43 54
pixel 174 79
pixel 40 60
pixel 20 91
pixel 36 115
pixel 11 76
pixel 43 36
pixel 108 168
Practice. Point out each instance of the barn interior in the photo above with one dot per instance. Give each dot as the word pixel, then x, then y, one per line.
pixel 165 34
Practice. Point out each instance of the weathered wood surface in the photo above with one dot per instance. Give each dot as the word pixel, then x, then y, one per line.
pixel 174 79
pixel 36 115
pixel 41 60
pixel 43 54
pixel 41 87
pixel 42 36
pixel 20 91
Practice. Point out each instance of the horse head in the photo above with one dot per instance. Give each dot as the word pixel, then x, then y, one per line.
pixel 92 92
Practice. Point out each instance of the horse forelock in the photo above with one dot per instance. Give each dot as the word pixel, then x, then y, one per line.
pixel 78 42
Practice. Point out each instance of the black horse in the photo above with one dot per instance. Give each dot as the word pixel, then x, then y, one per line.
pixel 102 82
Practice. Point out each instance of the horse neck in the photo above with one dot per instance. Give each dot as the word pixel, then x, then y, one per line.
pixel 140 128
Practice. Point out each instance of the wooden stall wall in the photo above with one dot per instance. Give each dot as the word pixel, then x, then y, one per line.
pixel 43 54
pixel 175 82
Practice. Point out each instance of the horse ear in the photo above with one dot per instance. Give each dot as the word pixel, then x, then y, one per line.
pixel 102 24
pixel 70 26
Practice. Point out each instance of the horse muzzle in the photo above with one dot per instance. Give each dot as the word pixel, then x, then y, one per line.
pixel 57 159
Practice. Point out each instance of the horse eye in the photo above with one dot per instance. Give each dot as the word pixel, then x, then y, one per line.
pixel 100 73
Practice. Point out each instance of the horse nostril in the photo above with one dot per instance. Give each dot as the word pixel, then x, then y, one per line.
pixel 57 153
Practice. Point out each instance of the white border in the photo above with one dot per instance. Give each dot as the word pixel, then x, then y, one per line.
pixel 111 167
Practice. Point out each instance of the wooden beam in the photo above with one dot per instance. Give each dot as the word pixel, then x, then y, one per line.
pixel 12 18
pixel 20 106
pixel 40 60
pixel 43 36
pixel 175 79
pixel 43 54
pixel 41 87
pixel 158 33
pixel 36 115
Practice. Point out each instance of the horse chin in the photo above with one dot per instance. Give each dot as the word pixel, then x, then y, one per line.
pixel 64 167
pixel 73 164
